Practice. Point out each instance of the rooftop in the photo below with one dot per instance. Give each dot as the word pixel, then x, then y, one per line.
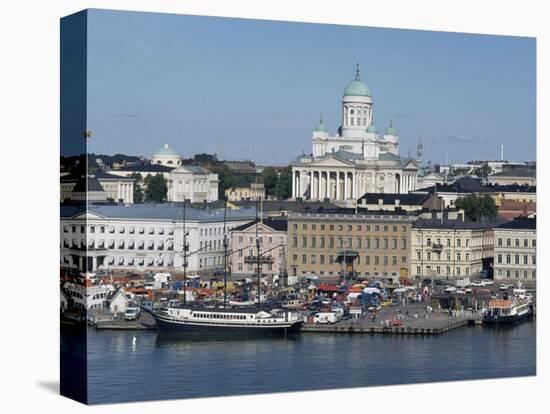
pixel 520 223
pixel 432 223
pixel 390 198
pixel 275 223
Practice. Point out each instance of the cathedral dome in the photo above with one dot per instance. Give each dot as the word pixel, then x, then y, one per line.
pixel 356 87
pixel 166 151
pixel 371 128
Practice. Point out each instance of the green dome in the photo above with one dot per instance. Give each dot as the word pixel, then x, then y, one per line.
pixel 357 87
pixel 321 127
pixel 391 130
pixel 166 151
pixel 371 128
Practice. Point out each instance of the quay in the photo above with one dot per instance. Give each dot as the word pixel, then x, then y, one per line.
pixel 435 325
pixel 144 322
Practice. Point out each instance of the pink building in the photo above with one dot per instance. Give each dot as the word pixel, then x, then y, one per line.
pixel 273 247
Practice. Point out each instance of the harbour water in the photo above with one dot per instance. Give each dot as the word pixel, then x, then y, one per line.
pixel 137 365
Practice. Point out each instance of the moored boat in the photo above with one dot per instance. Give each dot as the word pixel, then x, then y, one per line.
pixel 507 311
pixel 226 321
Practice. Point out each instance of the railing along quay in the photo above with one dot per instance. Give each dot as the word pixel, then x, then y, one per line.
pixel 386 330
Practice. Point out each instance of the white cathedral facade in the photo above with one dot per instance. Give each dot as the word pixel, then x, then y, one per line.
pixel 356 160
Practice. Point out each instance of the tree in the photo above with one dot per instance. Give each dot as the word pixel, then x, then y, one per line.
pixel 270 179
pixel 156 188
pixel 483 171
pixel 226 178
pixel 284 183
pixel 476 207
pixel 138 191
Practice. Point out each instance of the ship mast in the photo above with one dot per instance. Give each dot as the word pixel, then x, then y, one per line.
pixel 225 253
pixel 185 249
pixel 258 257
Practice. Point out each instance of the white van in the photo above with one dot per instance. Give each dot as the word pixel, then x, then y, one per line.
pixel 131 313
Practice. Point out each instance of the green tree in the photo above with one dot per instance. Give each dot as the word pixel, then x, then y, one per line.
pixel 270 179
pixel 284 183
pixel 226 178
pixel 484 170
pixel 138 191
pixel 156 188
pixel 477 208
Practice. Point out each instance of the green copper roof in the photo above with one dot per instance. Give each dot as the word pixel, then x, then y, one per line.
pixel 321 127
pixel 356 87
pixel 371 128
pixel 166 151
pixel 391 130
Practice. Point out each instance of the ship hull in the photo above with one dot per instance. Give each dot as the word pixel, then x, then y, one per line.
pixel 167 327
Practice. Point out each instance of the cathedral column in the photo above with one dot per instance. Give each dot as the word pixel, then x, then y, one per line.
pixel 318 186
pixel 337 185
pixel 345 185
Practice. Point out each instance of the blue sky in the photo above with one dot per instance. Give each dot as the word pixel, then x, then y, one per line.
pixel 205 84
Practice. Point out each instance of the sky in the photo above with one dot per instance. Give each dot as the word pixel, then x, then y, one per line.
pixel 255 89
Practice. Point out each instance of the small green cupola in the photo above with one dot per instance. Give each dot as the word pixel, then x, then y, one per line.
pixel 391 130
pixel 321 127
pixel 371 128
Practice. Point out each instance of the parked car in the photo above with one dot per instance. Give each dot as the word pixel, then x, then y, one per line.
pixel 131 313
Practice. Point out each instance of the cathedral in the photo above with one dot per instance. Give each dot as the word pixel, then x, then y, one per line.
pixel 355 161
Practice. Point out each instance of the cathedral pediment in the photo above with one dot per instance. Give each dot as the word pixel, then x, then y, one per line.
pixel 331 161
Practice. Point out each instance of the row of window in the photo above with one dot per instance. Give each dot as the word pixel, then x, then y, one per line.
pixel 517 273
pixel 437 256
pixel 112 229
pixel 348 227
pixel 507 259
pixel 350 242
pixel 437 270
pixel 121 245
pixel 437 242
pixel 252 239
pixel 517 242
pixel 329 259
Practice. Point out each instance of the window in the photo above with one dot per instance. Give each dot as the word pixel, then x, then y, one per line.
pixel 516 258
pixel 394 260
pixel 295 227
pixel 294 241
pixel 534 243
pixel 525 243
pixel 376 243
pixel 367 260
pixel 385 260
pixel 386 244
pixel 467 256
pixel 304 259
pixel 403 259
pixel 508 242
pixel 534 259
pixel 367 243
pixel 331 242
pixel 419 255
pixel 458 242
pixel 418 270
pixel 428 242
pixel 322 259
pixel 376 260
pixel 385 228
pixel 313 260
pixel 403 244
pixel 517 242
pixel 458 257
pixel 428 256
pixel 358 243
pixel 448 242
pixel 394 244
pixel 313 242
pixel 304 226
pixel 448 256
pixel 525 259
pixel 304 242
pixel 240 239
pixel 331 259
pixel 499 258
pixel 322 242
pixel 314 227
pixel 508 259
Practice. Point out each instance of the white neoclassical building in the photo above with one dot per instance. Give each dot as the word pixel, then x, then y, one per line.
pixel 193 183
pixel 356 160
pixel 145 237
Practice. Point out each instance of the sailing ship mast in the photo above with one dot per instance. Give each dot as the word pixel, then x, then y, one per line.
pixel 258 256
pixel 185 249
pixel 225 253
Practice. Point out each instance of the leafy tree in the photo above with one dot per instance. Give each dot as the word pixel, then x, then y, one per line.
pixel 226 178
pixel 138 191
pixel 483 171
pixel 270 179
pixel 156 188
pixel 284 183
pixel 476 207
